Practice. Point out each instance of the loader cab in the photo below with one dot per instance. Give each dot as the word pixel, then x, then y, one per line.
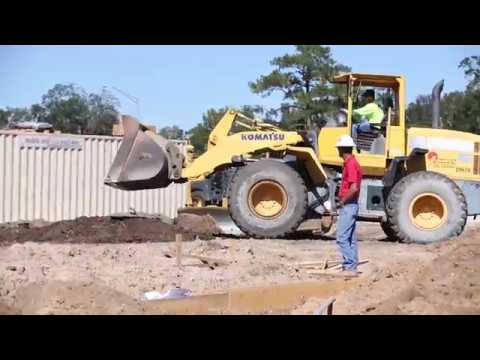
pixel 374 150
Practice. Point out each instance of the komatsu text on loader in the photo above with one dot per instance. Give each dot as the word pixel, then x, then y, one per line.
pixel 419 183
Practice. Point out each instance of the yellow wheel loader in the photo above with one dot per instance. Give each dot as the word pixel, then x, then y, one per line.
pixel 419 183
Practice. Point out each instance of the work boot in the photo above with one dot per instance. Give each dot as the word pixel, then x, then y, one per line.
pixel 350 273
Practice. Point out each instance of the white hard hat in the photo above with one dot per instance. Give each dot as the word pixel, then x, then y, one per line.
pixel 345 141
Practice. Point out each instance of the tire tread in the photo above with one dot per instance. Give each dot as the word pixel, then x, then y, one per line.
pixel 239 177
pixel 393 200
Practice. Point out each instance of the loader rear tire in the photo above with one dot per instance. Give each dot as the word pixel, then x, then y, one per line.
pixel 267 199
pixel 426 207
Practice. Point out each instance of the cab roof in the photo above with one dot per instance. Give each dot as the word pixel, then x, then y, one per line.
pixel 367 79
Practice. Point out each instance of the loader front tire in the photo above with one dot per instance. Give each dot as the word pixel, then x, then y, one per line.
pixel 198 198
pixel 387 229
pixel 426 207
pixel 267 199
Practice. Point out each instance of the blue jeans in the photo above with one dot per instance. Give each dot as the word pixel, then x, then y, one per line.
pixel 346 236
pixel 361 127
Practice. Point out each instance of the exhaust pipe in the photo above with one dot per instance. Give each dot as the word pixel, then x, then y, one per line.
pixel 436 92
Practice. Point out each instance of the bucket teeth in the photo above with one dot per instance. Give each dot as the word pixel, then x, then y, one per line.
pixel 222 218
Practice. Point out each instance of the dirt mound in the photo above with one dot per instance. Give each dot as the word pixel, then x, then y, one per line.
pixel 8 310
pixel 450 285
pixel 59 297
pixel 198 224
pixel 104 230
pixel 441 278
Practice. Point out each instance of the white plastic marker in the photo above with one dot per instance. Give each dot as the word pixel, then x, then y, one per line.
pixel 175 293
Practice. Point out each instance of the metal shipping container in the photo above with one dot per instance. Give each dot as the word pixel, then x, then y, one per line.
pixel 60 176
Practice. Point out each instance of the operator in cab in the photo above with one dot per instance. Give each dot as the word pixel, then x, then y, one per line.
pixel 367 116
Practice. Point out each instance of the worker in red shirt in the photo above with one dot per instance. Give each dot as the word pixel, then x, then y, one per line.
pixel 348 206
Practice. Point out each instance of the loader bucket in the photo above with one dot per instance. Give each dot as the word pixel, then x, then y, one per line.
pixel 141 162
pixel 222 218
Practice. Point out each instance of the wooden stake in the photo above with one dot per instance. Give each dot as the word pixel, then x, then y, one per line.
pixel 329 271
pixel 325 264
pixel 326 308
pixel 204 259
pixel 318 263
pixel 178 243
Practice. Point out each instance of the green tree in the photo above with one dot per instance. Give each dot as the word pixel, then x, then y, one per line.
pixel 452 111
pixel 4 118
pixel 419 113
pixel 70 109
pixel 37 112
pixel 199 134
pixel 14 115
pixel 304 80
pixel 34 113
pixel 460 110
pixel 172 132
pixel 471 100
pixel 471 68
pixel 66 108
pixel 103 113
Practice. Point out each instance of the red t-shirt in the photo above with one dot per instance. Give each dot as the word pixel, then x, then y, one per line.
pixel 352 173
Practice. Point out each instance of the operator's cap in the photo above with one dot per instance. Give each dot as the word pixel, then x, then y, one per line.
pixel 369 93
pixel 345 141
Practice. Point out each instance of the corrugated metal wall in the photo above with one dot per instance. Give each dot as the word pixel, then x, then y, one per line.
pixel 60 177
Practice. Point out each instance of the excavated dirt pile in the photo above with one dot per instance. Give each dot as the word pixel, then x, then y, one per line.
pixel 107 230
pixel 448 285
pixel 198 224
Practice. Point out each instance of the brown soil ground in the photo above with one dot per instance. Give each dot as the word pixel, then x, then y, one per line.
pixel 8 310
pixel 447 284
pixel 104 266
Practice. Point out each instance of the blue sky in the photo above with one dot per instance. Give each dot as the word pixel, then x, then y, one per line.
pixel 176 84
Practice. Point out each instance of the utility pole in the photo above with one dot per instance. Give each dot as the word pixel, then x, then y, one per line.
pixel 132 98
